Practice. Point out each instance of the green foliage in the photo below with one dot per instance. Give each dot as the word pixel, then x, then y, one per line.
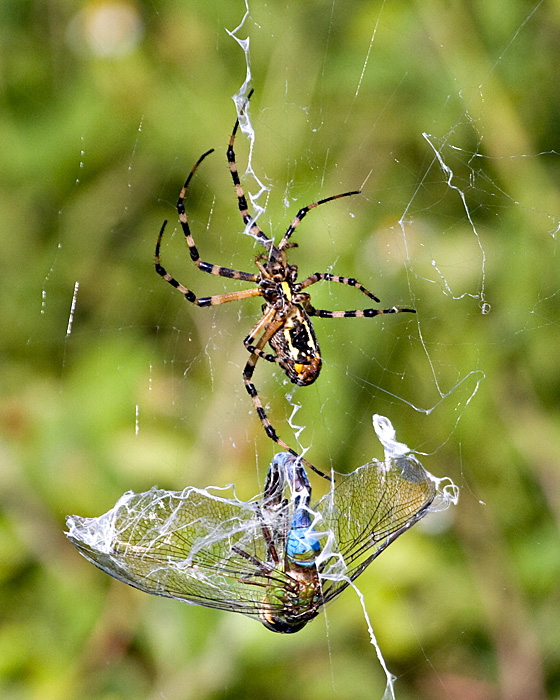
pixel 142 389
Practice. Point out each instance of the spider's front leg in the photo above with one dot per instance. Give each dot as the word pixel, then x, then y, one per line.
pixel 210 268
pixel 248 220
pixel 190 295
pixel 327 277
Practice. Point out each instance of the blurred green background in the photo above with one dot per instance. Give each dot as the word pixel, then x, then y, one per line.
pixel 105 106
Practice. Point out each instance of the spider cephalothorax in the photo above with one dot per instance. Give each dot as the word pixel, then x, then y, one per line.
pixel 286 314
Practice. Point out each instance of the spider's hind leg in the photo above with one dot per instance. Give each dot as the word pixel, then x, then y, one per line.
pixel 267 425
pixel 256 352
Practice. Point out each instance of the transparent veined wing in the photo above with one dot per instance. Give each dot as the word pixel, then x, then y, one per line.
pixel 191 545
pixel 276 557
pixel 365 512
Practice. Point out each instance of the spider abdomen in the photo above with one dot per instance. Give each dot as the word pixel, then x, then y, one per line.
pixel 296 343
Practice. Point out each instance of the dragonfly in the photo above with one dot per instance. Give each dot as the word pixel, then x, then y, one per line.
pixel 275 558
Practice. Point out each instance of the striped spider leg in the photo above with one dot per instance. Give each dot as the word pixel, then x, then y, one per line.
pixel 285 323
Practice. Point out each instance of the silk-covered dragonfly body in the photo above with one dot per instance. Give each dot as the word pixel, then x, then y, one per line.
pixel 276 558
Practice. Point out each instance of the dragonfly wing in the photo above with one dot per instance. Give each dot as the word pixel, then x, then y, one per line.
pixel 366 511
pixel 190 545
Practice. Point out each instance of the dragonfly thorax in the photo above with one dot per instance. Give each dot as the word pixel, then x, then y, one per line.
pixel 289 608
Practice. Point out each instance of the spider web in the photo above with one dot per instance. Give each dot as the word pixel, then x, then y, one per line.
pixel 444 189
pixel 197 546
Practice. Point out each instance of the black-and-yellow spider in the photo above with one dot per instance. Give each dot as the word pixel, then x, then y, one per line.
pixel 285 323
